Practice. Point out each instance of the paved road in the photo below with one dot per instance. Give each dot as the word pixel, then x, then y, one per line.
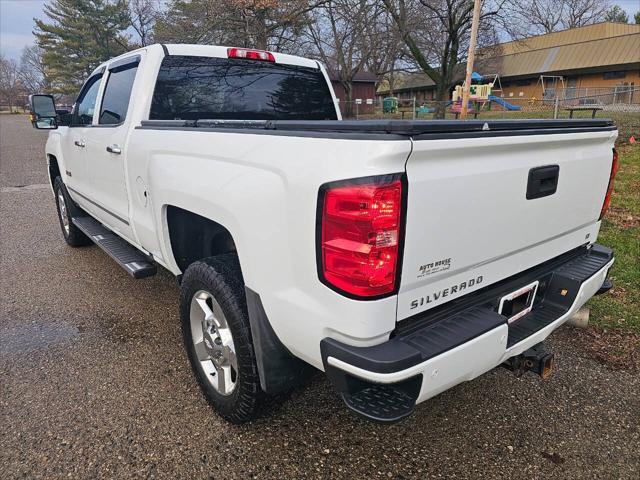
pixel 94 384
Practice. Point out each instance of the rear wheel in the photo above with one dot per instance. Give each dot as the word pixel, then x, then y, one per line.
pixel 215 327
pixel 213 342
pixel 72 234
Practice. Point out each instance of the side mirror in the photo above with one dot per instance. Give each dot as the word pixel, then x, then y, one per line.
pixel 43 112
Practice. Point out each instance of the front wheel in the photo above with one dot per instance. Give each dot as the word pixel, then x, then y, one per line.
pixel 217 337
pixel 72 234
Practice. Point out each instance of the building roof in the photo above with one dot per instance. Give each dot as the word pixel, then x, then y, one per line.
pixel 570 36
pixel 593 48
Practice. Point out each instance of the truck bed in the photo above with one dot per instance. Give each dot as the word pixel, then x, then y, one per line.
pixel 469 222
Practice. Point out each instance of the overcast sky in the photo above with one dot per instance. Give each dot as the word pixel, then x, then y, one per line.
pixel 16 22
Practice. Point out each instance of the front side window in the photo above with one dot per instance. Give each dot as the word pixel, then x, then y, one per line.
pixel 86 103
pixel 192 88
pixel 115 101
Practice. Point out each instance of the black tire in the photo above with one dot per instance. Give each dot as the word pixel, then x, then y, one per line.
pixel 221 277
pixel 72 234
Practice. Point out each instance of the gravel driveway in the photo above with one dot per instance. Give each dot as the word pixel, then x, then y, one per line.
pixel 95 384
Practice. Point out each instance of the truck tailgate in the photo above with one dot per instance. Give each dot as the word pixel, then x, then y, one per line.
pixel 469 222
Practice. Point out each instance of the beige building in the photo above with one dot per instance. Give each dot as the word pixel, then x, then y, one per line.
pixel 601 60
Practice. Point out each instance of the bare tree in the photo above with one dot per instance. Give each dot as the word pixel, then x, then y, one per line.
pixel 143 15
pixel 275 24
pixel 32 71
pixel 584 12
pixel 385 55
pixel 524 18
pixel 10 86
pixel 436 34
pixel 264 24
pixel 345 34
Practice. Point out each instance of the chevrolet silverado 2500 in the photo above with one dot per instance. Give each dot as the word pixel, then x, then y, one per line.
pixel 399 257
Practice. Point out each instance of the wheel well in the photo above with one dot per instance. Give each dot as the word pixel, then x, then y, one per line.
pixel 54 170
pixel 194 237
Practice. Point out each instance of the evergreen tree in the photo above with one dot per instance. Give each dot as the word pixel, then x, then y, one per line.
pixel 78 36
pixel 616 14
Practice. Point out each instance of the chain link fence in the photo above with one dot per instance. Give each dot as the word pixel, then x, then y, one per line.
pixel 621 105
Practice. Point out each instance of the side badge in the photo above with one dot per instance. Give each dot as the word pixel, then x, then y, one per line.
pixel 68 173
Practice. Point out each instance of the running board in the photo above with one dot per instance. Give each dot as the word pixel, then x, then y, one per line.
pixel 137 264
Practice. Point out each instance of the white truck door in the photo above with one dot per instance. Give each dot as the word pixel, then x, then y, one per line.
pixel 76 174
pixel 106 146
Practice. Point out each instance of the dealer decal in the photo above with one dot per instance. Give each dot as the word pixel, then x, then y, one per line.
pixel 434 267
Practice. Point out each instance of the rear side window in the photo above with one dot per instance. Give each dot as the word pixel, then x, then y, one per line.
pixel 116 94
pixel 192 88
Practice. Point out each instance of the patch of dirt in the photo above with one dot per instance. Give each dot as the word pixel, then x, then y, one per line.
pixel 552 457
pixel 618 291
pixel 622 218
pixel 616 350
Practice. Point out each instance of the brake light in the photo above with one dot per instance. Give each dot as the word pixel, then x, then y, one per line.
pixel 612 176
pixel 250 54
pixel 360 236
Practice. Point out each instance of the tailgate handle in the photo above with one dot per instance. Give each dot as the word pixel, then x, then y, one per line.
pixel 543 181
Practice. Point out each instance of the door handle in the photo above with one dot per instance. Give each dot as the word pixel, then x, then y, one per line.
pixel 114 149
pixel 79 143
pixel 543 181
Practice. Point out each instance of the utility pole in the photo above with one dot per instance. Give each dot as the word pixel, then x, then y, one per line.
pixel 470 59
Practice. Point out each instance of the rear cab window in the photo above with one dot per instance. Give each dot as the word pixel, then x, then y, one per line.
pixel 195 88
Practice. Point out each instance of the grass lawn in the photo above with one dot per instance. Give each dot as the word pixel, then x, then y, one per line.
pixel 619 310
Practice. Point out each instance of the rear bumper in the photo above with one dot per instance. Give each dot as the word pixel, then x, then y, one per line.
pixel 461 341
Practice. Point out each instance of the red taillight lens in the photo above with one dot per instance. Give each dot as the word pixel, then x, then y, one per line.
pixel 612 177
pixel 250 54
pixel 360 236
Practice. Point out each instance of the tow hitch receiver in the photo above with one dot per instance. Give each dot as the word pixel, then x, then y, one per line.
pixel 536 360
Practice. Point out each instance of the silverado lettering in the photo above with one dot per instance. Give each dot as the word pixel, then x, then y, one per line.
pixel 446 292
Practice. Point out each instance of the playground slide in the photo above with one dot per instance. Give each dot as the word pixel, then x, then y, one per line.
pixel 503 103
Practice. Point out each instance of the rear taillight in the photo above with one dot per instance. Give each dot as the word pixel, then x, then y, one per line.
pixel 612 177
pixel 360 235
pixel 250 54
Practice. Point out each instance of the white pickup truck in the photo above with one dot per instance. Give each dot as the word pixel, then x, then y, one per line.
pixel 401 258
